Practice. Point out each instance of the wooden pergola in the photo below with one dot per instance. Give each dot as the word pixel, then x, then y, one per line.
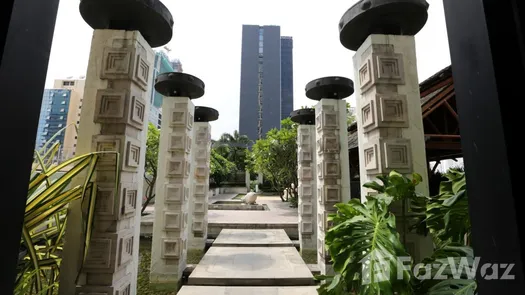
pixel 440 121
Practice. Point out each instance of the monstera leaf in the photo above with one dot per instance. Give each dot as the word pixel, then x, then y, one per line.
pixel 447 215
pixel 450 270
pixel 365 250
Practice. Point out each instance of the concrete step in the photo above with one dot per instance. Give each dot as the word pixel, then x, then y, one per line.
pixel 251 266
pixel 217 290
pixel 253 238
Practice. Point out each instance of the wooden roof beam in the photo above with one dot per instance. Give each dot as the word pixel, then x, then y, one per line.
pixel 437 86
pixel 443 100
pixel 435 145
pixel 452 111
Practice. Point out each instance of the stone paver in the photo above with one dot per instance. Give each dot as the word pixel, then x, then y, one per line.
pixel 251 266
pixel 205 290
pixel 253 238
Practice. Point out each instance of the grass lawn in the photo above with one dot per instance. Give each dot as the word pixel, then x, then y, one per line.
pixel 309 256
pixel 239 196
pixel 143 287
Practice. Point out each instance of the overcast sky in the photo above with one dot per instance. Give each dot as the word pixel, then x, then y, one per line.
pixel 207 40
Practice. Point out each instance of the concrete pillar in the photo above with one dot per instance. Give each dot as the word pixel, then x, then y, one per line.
pixel 201 162
pixel 247 180
pixel 307 180
pixel 114 118
pixel 333 174
pixel 260 178
pixel 174 179
pixel 389 120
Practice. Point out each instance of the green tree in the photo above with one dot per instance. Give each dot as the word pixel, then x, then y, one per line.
pixel 150 169
pixel 350 118
pixel 276 157
pixel 233 147
pixel 220 168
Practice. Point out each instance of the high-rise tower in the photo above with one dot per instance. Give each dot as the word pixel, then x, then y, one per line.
pixel 261 103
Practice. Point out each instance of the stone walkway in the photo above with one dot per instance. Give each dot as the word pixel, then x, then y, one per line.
pixel 279 216
pixel 243 262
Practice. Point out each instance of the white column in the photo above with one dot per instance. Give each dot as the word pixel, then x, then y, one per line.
pixel 113 118
pixel 170 228
pixel 199 199
pixel 247 180
pixel 307 188
pixel 333 174
pixel 389 120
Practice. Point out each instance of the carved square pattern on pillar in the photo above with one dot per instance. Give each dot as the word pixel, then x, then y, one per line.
pixel 133 154
pixel 390 68
pixel 330 144
pixel 171 248
pixel 323 222
pixel 304 138
pixel 141 73
pixel 398 155
pixel 99 253
pixel 393 111
pixel 178 117
pixel 306 173
pixel 200 189
pixel 178 168
pixel 331 169
pixel 172 221
pixel 330 194
pixel 329 120
pixel 110 105
pixel 306 208
pixel 116 107
pixel 198 225
pixel 307 227
pixel 109 252
pixel 107 205
pixel 116 63
pixel 125 253
pixel 305 155
pixel 365 74
pixel 179 142
pixel 381 68
pixel 371 159
pixel 138 110
pixel 306 191
pixel 199 205
pixel 368 115
pixel 128 199
pixel 107 143
pixel 201 171
pixel 174 193
pixel 202 136
pixel 201 154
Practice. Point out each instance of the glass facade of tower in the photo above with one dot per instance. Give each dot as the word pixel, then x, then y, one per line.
pixel 162 65
pixel 53 115
pixel 260 93
pixel 286 77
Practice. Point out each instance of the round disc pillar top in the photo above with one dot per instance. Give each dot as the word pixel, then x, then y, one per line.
pixel 387 17
pixel 180 85
pixel 205 114
pixel 329 87
pixel 303 116
pixel 150 17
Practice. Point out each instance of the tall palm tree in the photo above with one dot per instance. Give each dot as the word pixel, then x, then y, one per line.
pixel 234 147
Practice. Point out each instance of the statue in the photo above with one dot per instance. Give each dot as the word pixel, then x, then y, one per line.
pixel 250 198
